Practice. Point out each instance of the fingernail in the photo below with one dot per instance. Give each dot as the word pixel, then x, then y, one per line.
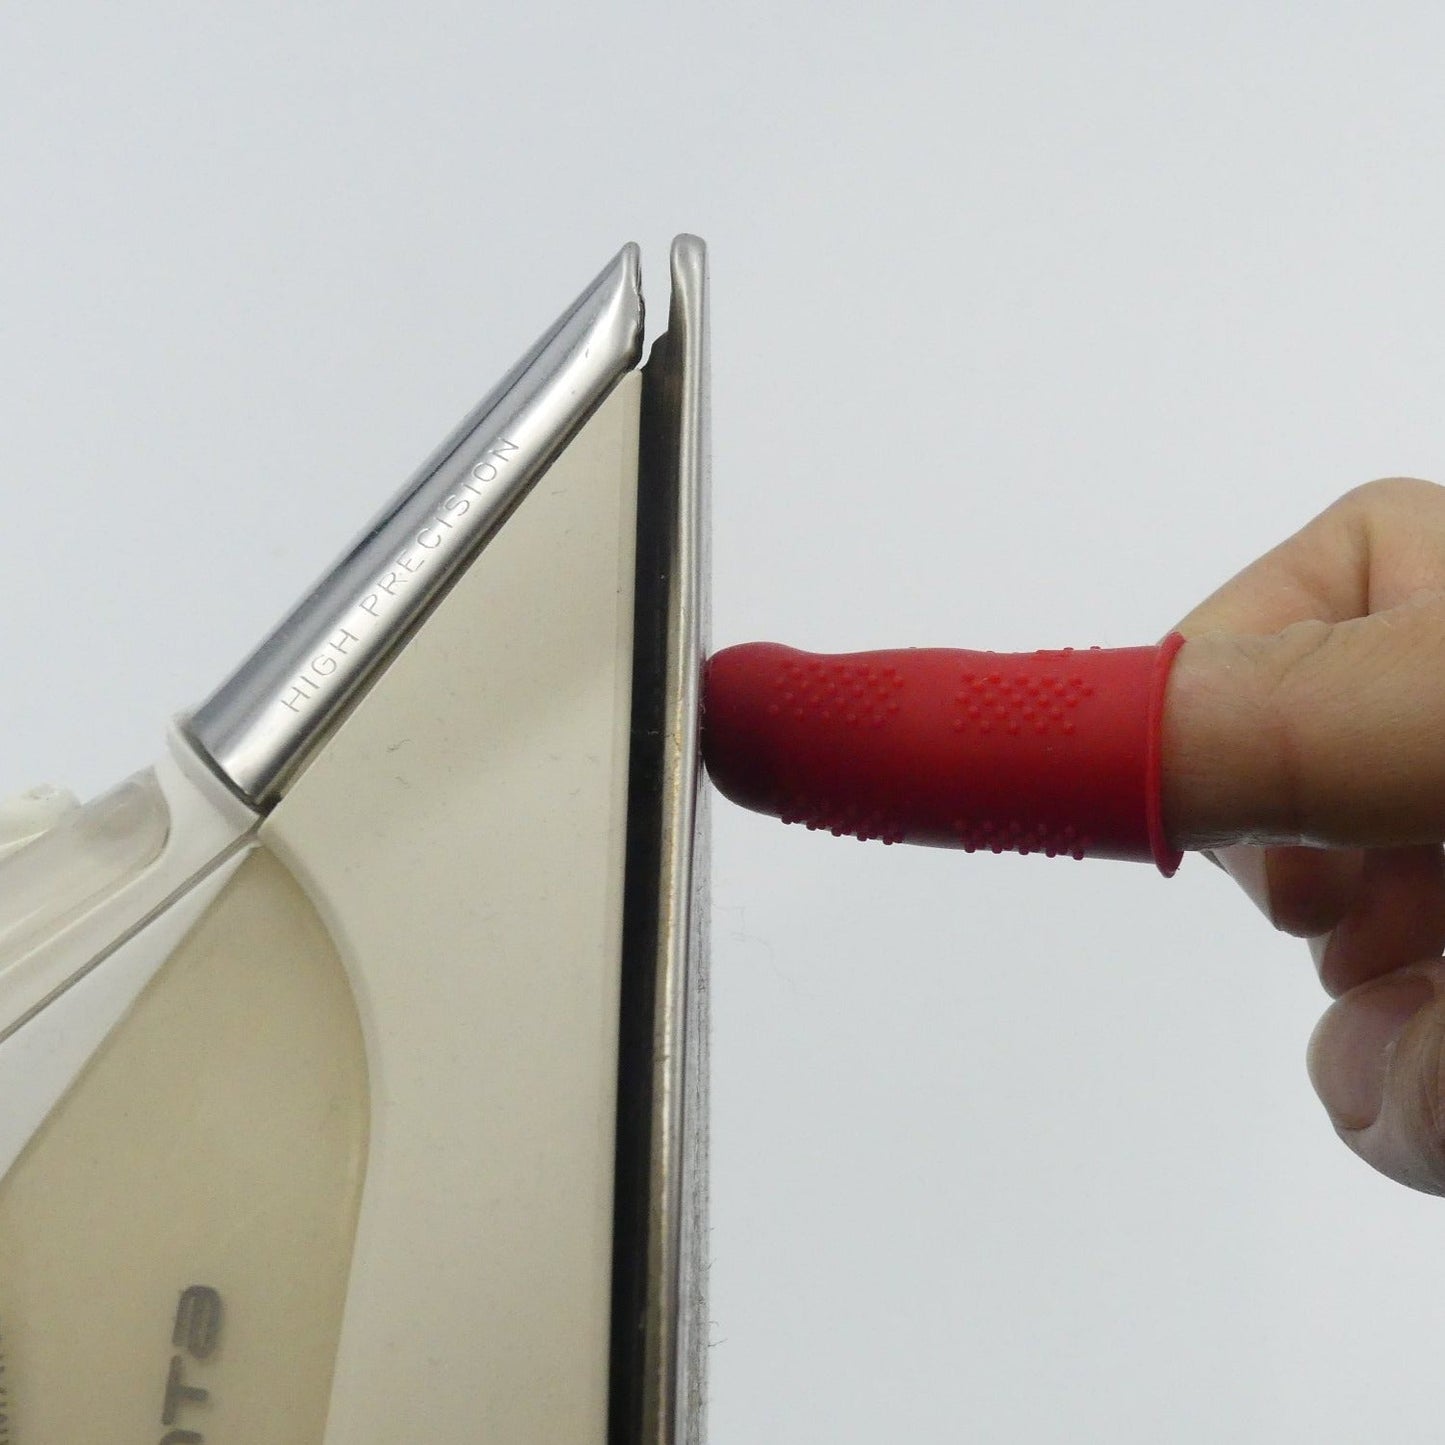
pixel 1350 1051
pixel 1248 866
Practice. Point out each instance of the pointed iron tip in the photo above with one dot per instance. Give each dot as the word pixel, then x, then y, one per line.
pixel 624 275
pixel 629 262
pixel 262 726
pixel 615 293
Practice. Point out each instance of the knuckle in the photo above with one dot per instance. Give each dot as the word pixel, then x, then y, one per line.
pixel 1299 906
pixel 1392 493
pixel 1427 1114
pixel 1287 665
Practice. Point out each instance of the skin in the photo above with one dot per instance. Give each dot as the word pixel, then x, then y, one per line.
pixel 1304 751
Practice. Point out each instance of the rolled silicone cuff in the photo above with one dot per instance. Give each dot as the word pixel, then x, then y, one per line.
pixel 1053 752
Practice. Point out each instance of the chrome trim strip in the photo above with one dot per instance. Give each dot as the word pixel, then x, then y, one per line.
pixel 659 1348
pixel 262 726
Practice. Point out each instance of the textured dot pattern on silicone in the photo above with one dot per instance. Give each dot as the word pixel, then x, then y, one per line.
pixel 1030 753
pixel 997 697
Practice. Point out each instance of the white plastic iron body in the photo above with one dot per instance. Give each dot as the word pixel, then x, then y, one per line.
pixel 354 1055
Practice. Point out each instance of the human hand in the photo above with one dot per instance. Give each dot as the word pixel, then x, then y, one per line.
pixel 1304 748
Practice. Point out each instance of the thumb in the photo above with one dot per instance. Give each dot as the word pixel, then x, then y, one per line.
pixel 1334 733
pixel 1377 1061
pixel 1321 733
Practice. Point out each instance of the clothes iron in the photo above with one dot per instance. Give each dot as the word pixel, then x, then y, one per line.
pixel 354 1055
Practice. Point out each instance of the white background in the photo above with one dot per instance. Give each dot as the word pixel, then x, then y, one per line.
pixel 1032 323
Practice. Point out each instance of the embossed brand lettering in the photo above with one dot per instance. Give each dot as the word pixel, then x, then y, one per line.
pixel 198 1321
pixel 195 1335
pixel 322 665
pixel 396 580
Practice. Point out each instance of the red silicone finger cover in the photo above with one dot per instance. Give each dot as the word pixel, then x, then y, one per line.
pixel 1053 752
